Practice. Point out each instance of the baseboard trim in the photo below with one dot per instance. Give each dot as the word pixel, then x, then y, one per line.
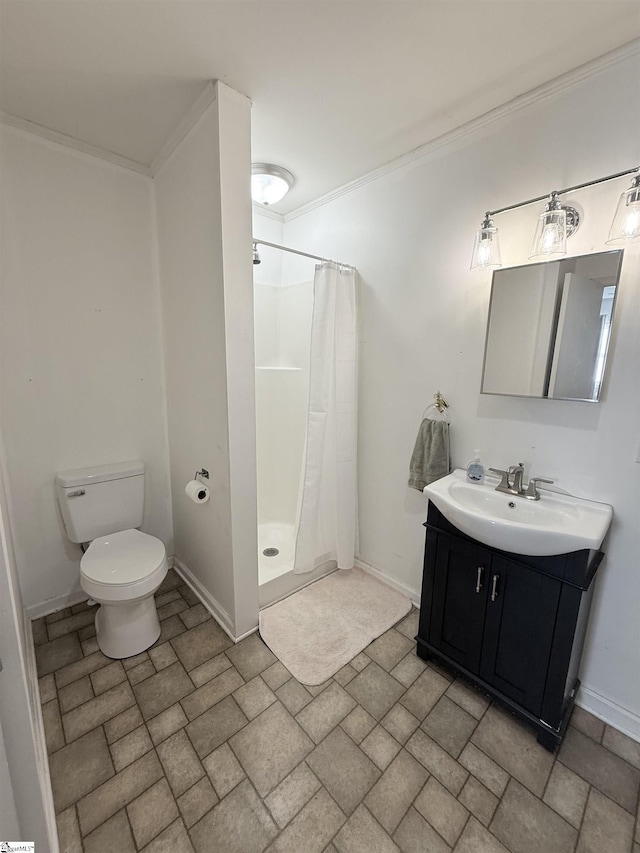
pixel 52 605
pixel 247 634
pixel 213 606
pixel 413 594
pixel 37 730
pixel 604 709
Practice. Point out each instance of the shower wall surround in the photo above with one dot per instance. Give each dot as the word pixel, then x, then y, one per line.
pixel 283 325
pixel 283 304
pixel 422 326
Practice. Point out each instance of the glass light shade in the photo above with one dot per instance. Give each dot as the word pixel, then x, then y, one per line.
pixel 268 189
pixel 269 183
pixel 486 249
pixel 550 240
pixel 626 222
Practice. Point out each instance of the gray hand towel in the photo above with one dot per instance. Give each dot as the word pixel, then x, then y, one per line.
pixel 430 458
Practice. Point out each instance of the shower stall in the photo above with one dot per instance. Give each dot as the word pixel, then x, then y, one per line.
pixel 283 312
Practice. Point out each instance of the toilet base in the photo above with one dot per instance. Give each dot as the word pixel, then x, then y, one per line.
pixel 124 630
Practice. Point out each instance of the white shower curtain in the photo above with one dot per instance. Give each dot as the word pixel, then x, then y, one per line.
pixel 327 528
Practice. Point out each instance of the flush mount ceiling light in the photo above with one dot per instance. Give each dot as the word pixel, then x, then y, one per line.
pixel 559 221
pixel 269 183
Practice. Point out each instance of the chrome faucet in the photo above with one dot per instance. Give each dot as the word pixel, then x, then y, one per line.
pixel 511 482
pixel 517 473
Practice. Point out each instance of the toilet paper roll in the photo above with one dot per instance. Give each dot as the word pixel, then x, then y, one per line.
pixel 197 491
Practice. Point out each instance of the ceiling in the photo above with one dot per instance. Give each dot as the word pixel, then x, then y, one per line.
pixel 338 88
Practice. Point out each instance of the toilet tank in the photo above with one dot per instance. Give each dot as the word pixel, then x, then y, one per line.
pixel 101 500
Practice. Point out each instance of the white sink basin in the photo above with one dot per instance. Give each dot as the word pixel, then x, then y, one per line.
pixel 556 524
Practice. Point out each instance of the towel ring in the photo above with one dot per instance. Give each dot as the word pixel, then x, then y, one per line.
pixel 438 408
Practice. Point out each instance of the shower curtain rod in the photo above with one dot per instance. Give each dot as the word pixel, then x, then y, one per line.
pixel 298 252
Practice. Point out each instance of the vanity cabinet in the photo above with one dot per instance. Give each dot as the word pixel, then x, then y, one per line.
pixel 512 625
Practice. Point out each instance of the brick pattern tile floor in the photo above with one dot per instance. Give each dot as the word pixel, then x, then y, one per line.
pixel 199 745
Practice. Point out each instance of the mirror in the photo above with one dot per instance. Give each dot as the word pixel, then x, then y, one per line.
pixel 549 327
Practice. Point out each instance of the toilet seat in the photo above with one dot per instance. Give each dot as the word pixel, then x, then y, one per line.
pixel 123 566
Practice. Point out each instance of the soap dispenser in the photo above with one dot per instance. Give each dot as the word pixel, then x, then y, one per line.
pixel 475 469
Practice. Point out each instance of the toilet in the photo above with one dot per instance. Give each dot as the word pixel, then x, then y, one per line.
pixel 122 567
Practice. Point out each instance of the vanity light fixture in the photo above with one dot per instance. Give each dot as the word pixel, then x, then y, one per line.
pixel 269 183
pixel 626 222
pixel 486 249
pixel 554 226
pixel 559 221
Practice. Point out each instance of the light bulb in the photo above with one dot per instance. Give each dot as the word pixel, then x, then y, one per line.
pixel 484 254
pixel 486 249
pixel 626 222
pixel 631 223
pixel 550 240
pixel 550 237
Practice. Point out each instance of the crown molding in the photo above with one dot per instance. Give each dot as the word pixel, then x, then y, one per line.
pixel 23 125
pixel 261 210
pixel 423 152
pixel 430 149
pixel 214 92
pixel 186 124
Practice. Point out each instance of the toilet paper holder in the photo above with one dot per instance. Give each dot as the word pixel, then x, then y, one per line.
pixel 202 473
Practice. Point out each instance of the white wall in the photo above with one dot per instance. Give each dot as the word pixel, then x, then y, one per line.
pixel 189 250
pixel 204 234
pixel 26 804
pixel 422 328
pixel 8 813
pixel 234 128
pixel 80 345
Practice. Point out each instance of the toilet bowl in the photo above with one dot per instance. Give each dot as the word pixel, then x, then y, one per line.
pixel 122 567
pixel 122 571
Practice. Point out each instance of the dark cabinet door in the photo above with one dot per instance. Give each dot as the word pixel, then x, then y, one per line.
pixel 520 620
pixel 459 600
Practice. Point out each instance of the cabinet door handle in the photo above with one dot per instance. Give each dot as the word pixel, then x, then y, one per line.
pixel 479 578
pixel 494 587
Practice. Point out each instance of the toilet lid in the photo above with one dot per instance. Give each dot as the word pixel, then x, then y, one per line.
pixel 124 557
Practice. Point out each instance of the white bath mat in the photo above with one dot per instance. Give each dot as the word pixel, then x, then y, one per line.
pixel 318 629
